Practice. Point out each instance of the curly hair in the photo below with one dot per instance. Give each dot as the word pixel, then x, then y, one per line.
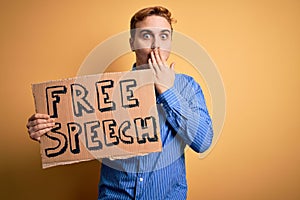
pixel 145 12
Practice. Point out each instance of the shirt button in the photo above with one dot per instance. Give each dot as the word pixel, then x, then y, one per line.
pixel 141 179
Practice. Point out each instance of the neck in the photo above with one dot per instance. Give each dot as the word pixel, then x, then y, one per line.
pixel 141 66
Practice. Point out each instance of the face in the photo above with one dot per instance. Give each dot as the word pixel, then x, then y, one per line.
pixel 151 33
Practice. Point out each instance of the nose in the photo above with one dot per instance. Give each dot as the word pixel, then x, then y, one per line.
pixel 155 43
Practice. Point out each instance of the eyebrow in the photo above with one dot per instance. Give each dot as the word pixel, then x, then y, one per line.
pixel 150 31
pixel 166 30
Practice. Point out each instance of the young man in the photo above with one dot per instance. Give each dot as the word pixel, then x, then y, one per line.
pixel 184 119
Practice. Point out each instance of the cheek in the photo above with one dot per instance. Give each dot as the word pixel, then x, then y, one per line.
pixel 141 44
pixel 165 46
pixel 165 54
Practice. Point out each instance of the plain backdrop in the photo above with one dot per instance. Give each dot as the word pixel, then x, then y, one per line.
pixel 255 45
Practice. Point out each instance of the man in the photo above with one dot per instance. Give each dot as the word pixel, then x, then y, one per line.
pixel 184 119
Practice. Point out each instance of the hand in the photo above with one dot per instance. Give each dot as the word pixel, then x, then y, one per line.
pixel 164 76
pixel 39 124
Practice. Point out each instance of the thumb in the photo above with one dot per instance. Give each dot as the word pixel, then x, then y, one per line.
pixel 172 66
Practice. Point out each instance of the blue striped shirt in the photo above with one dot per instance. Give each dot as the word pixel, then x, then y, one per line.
pixel 184 120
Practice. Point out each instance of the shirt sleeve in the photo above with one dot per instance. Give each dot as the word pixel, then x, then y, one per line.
pixel 186 111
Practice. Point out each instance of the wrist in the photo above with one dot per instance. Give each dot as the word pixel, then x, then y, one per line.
pixel 160 89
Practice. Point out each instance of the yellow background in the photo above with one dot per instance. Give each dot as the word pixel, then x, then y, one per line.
pixel 255 45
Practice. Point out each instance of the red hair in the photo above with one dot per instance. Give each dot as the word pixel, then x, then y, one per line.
pixel 145 12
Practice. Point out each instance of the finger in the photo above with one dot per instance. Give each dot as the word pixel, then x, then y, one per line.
pixel 38 134
pixel 39 121
pixel 153 59
pixel 172 66
pixel 35 138
pixel 164 62
pixel 39 127
pixel 151 65
pixel 38 116
pixel 158 58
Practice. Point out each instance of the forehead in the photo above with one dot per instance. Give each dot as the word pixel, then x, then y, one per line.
pixel 153 22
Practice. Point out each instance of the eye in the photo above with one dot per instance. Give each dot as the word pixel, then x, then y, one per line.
pixel 146 36
pixel 164 36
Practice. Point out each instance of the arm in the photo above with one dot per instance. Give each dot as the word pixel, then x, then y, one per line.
pixel 183 102
pixel 186 111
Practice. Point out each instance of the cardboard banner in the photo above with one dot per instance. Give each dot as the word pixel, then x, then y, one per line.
pixel 98 116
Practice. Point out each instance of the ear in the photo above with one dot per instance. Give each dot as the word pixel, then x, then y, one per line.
pixel 131 41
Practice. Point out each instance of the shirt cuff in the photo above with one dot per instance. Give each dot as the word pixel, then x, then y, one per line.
pixel 168 98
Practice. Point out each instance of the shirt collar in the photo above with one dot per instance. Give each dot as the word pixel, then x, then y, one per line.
pixel 134 67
